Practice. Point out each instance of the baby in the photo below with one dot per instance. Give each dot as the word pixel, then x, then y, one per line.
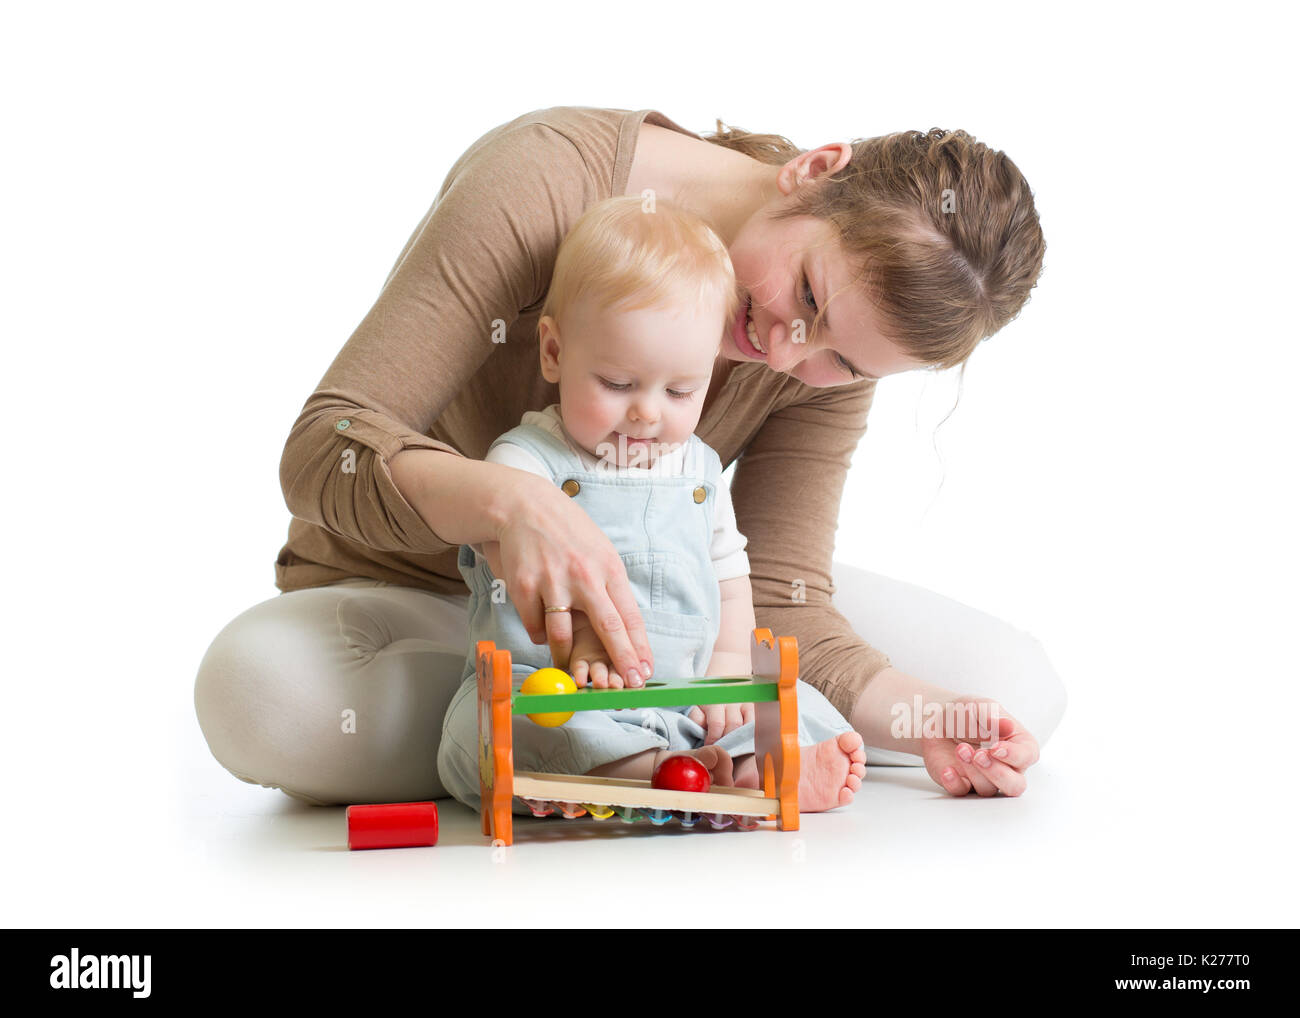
pixel 629 332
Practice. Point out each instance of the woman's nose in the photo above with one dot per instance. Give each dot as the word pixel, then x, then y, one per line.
pixel 784 351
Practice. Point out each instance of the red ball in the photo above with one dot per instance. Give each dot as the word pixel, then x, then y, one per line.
pixel 683 774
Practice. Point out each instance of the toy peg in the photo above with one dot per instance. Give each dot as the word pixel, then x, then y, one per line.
pixel 392 825
pixel 540 807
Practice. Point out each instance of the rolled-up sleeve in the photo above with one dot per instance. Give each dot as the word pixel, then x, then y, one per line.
pixel 483 252
pixel 786 491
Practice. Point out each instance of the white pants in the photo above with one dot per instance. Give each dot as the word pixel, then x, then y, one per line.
pixel 336 695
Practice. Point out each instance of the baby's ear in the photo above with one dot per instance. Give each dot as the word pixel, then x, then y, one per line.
pixel 548 348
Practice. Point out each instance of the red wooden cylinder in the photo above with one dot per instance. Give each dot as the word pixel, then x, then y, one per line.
pixel 392 825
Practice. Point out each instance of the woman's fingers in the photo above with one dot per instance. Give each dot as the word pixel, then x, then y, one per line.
pixel 954 781
pixel 1008 780
pixel 627 627
pixel 609 620
pixel 559 632
pixel 977 771
pixel 1014 754
pixel 944 766
pixel 527 599
pixel 1014 734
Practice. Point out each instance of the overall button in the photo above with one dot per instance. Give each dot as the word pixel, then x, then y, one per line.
pixel 700 494
pixel 572 487
pixel 343 425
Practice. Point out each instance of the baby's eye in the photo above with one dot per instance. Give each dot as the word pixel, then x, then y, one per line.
pixel 681 395
pixel 616 388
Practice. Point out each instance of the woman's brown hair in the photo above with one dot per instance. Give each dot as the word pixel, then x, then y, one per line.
pixel 943 227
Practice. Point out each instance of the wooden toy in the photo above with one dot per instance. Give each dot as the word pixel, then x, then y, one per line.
pixel 549 680
pixel 771 689
pixel 392 825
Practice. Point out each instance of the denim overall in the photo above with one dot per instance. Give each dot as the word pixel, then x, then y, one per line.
pixel 662 526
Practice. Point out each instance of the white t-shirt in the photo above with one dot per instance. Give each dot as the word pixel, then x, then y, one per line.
pixel 728 546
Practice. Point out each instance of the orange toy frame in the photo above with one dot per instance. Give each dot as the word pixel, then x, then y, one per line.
pixel 775 661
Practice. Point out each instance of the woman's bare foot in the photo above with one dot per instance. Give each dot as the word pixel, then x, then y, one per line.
pixel 829 772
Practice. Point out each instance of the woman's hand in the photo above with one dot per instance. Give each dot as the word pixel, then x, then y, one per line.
pixel 549 552
pixel 961 767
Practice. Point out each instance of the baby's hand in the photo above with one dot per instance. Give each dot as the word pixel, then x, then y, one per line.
pixel 589 658
pixel 717 719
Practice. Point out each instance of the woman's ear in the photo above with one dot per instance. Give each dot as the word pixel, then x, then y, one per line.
pixel 816 162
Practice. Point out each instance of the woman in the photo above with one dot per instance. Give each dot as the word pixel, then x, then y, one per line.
pixel 854 261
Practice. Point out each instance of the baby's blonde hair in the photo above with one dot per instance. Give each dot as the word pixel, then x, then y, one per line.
pixel 629 253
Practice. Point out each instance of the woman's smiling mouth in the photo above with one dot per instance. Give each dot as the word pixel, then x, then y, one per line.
pixel 745 334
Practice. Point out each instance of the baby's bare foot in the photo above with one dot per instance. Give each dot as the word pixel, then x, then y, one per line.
pixel 830 772
pixel 718 762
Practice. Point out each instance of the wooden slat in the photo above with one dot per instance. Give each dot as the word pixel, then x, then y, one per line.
pixel 564 788
pixel 659 693
pixel 637 783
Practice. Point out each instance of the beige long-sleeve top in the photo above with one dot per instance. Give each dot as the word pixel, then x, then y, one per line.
pixel 427 368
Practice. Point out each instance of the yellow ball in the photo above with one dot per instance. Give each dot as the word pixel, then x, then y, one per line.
pixel 549 680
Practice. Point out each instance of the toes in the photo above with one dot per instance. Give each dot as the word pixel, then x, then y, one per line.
pixel 718 762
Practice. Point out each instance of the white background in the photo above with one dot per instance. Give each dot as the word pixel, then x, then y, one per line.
pixel 199 204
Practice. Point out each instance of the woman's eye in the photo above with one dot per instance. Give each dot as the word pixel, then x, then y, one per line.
pixel 807 289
